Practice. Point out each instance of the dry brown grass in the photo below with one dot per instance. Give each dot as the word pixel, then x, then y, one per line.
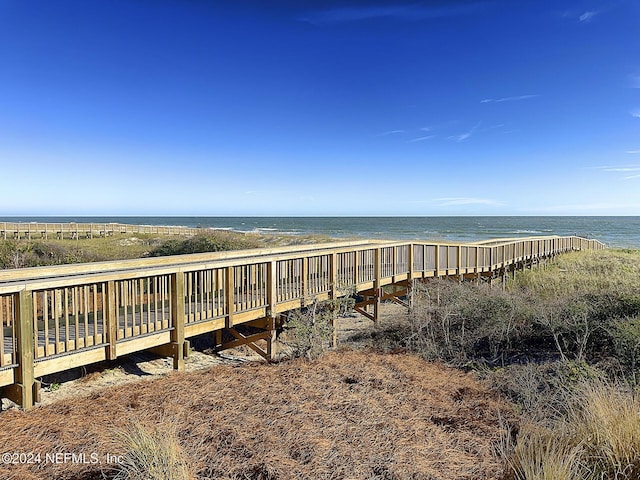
pixel 543 453
pixel 355 415
pixel 599 439
pixel 151 453
pixel 606 419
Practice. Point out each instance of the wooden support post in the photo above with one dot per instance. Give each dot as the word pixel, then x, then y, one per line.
pixel 271 308
pixel 491 260
pixel 25 391
pixel 333 294
pixel 229 297
pixel 355 268
pixel 271 339
pixel 333 276
pixel 178 317
pixel 394 262
pixel 305 278
pixel 410 262
pixel 111 321
pixel 377 268
pixel 410 279
pixel 437 260
pixel 271 288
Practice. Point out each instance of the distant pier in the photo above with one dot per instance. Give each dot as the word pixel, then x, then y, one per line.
pixel 35 230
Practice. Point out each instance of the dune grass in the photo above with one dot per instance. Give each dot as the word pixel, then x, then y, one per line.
pixel 599 439
pixel 151 453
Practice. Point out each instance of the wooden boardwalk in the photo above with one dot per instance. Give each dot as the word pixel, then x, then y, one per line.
pixel 33 230
pixel 57 318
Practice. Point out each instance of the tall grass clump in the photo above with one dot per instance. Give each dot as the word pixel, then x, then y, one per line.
pixel 542 453
pixel 606 419
pixel 151 454
pixel 599 438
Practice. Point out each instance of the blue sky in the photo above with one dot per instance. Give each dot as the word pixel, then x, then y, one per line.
pixel 195 107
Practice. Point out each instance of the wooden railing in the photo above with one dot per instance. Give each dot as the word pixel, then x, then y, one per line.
pixel 56 318
pixel 32 230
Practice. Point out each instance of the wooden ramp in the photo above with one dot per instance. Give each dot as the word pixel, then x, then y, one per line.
pixel 57 318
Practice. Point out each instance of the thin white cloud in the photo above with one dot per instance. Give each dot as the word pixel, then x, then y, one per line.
pixel 635 113
pixel 508 99
pixel 407 12
pixel 390 132
pixel 633 152
pixel 464 136
pixel 420 139
pixel 455 201
pixel 623 169
pixel 587 16
pixel 439 126
pixel 632 168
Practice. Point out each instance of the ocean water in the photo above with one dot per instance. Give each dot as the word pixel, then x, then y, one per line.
pixel 616 232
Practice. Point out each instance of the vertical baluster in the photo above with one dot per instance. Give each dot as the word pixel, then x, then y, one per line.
pixel 146 282
pixel 56 314
pixel 201 302
pixel 95 314
pixel 45 320
pixel 3 320
pixel 85 308
pixel 207 291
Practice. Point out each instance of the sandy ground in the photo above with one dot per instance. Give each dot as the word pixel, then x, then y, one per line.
pixel 354 330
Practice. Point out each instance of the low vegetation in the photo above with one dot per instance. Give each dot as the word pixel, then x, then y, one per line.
pixel 563 344
pixel 40 252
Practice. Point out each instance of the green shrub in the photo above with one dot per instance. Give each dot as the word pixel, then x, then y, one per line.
pixel 309 330
pixel 463 322
pixel 203 243
pixel 626 338
pixel 540 389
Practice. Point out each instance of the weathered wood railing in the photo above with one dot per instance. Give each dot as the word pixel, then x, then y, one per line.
pixel 32 230
pixel 56 318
